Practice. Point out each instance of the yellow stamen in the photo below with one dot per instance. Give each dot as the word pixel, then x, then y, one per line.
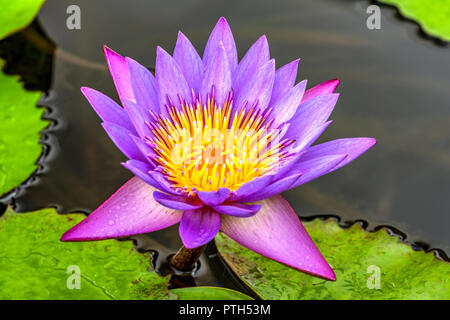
pixel 199 148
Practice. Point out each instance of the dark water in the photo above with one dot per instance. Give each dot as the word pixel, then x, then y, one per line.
pixel 394 87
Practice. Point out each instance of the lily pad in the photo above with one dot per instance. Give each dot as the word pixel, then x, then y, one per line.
pixel 209 293
pixel 17 14
pixel 20 124
pixel 34 264
pixel 432 16
pixel 368 265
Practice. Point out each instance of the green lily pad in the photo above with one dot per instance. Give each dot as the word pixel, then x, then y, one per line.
pixel 368 265
pixel 20 124
pixel 34 264
pixel 209 293
pixel 17 14
pixel 433 16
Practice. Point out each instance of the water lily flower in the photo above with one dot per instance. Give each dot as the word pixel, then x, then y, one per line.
pixel 212 143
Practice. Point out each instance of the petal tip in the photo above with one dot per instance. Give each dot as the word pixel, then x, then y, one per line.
pixel 65 237
pixel 160 51
pixel 108 51
pixel 368 142
pixel 328 274
pixel 335 83
pixel 222 20
pixel 70 235
pixel 264 39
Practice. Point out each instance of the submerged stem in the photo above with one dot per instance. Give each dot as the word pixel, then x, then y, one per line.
pixel 185 259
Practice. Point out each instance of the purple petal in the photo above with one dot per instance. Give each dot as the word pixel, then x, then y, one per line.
pixel 118 68
pixel 141 170
pixel 221 34
pixel 138 116
pixel 238 209
pixel 164 184
pixel 258 88
pixel 254 59
pixel 307 138
pixel 144 87
pixel 177 202
pixel 198 227
pixel 277 233
pixel 214 198
pixel 284 80
pixel 311 114
pixel 251 187
pixel 170 80
pixel 122 139
pixel 285 166
pixel 326 87
pixel 273 189
pixel 353 147
pixel 189 61
pixel 315 168
pixel 287 105
pixel 217 75
pixel 130 210
pixel 146 150
pixel 107 109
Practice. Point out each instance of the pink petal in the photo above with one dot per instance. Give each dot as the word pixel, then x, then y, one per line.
pixel 118 68
pixel 277 233
pixel 130 210
pixel 326 87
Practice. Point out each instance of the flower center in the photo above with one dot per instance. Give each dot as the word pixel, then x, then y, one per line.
pixel 203 147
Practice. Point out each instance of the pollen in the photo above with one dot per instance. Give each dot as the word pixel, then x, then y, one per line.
pixel 205 146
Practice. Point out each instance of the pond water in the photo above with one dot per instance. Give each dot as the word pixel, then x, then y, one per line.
pixel 394 87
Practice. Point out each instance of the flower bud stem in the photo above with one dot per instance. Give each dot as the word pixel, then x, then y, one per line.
pixel 185 259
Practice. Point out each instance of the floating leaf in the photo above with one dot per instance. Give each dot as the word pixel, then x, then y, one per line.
pixel 356 257
pixel 209 293
pixel 34 264
pixel 432 16
pixel 20 124
pixel 17 14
